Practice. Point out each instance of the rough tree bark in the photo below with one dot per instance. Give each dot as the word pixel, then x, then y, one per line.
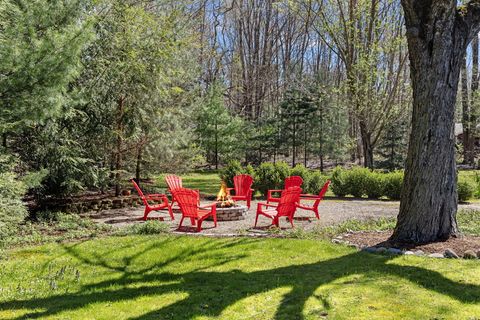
pixel 438 33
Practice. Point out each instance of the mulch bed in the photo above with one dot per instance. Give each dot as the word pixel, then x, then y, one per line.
pixel 380 239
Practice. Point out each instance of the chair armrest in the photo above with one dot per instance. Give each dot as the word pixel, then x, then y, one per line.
pixel 210 205
pixel 269 193
pixel 309 196
pixel 264 204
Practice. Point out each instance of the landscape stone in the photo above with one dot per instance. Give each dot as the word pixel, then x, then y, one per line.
pixel 419 253
pixel 394 251
pixel 409 253
pixel 449 253
pixel 381 250
pixel 436 255
pixel 469 254
pixel 370 249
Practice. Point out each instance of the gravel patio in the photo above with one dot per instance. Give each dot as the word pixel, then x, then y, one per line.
pixel 331 212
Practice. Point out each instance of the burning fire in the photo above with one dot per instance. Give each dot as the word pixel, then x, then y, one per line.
pixel 223 197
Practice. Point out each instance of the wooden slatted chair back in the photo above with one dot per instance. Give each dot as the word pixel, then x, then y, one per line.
pixel 187 201
pixel 288 201
pixel 293 181
pixel 174 182
pixel 242 184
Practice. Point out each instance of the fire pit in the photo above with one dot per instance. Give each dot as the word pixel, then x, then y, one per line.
pixel 227 209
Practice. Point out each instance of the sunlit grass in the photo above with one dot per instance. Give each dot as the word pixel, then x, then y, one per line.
pixel 207 182
pixel 162 277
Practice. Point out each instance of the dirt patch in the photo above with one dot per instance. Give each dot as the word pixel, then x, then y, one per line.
pixel 380 239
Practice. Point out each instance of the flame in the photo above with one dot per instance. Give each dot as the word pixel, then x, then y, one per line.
pixel 223 196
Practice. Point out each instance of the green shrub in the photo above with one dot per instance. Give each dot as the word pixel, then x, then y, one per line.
pixel 374 184
pixel 300 170
pixel 315 182
pixel 355 179
pixel 12 209
pixel 339 182
pixel 149 227
pixel 465 189
pixel 266 177
pixel 249 170
pixel 393 184
pixel 282 170
pixel 232 169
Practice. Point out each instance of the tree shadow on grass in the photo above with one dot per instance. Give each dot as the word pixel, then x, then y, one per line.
pixel 209 293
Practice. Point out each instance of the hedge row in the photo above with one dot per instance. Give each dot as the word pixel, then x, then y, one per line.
pixel 272 175
pixel 357 181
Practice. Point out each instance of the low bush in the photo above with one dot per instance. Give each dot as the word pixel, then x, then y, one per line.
pixel 300 170
pixel 282 170
pixel 393 184
pixel 315 182
pixel 267 177
pixel 356 181
pixel 339 182
pixel 232 169
pixel 149 227
pixel 465 190
pixel 374 184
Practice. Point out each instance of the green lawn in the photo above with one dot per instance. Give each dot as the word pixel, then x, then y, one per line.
pixel 161 277
pixel 206 182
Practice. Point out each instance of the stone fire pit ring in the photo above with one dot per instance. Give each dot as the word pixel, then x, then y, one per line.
pixel 237 212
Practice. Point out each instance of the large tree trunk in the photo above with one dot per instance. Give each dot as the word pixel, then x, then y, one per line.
pixel 437 38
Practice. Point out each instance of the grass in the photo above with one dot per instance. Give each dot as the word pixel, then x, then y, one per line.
pixel 207 182
pixel 469 222
pixel 55 226
pixel 166 277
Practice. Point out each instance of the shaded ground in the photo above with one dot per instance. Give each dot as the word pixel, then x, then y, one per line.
pixel 331 212
pixel 380 239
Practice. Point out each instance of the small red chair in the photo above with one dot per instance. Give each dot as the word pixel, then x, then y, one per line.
pixel 175 182
pixel 318 198
pixel 292 181
pixel 243 188
pixel 188 202
pixel 153 197
pixel 285 208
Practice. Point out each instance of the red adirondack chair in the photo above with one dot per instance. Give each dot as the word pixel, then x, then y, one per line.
pixel 285 208
pixel 317 199
pixel 243 188
pixel 292 181
pixel 153 197
pixel 175 182
pixel 188 202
